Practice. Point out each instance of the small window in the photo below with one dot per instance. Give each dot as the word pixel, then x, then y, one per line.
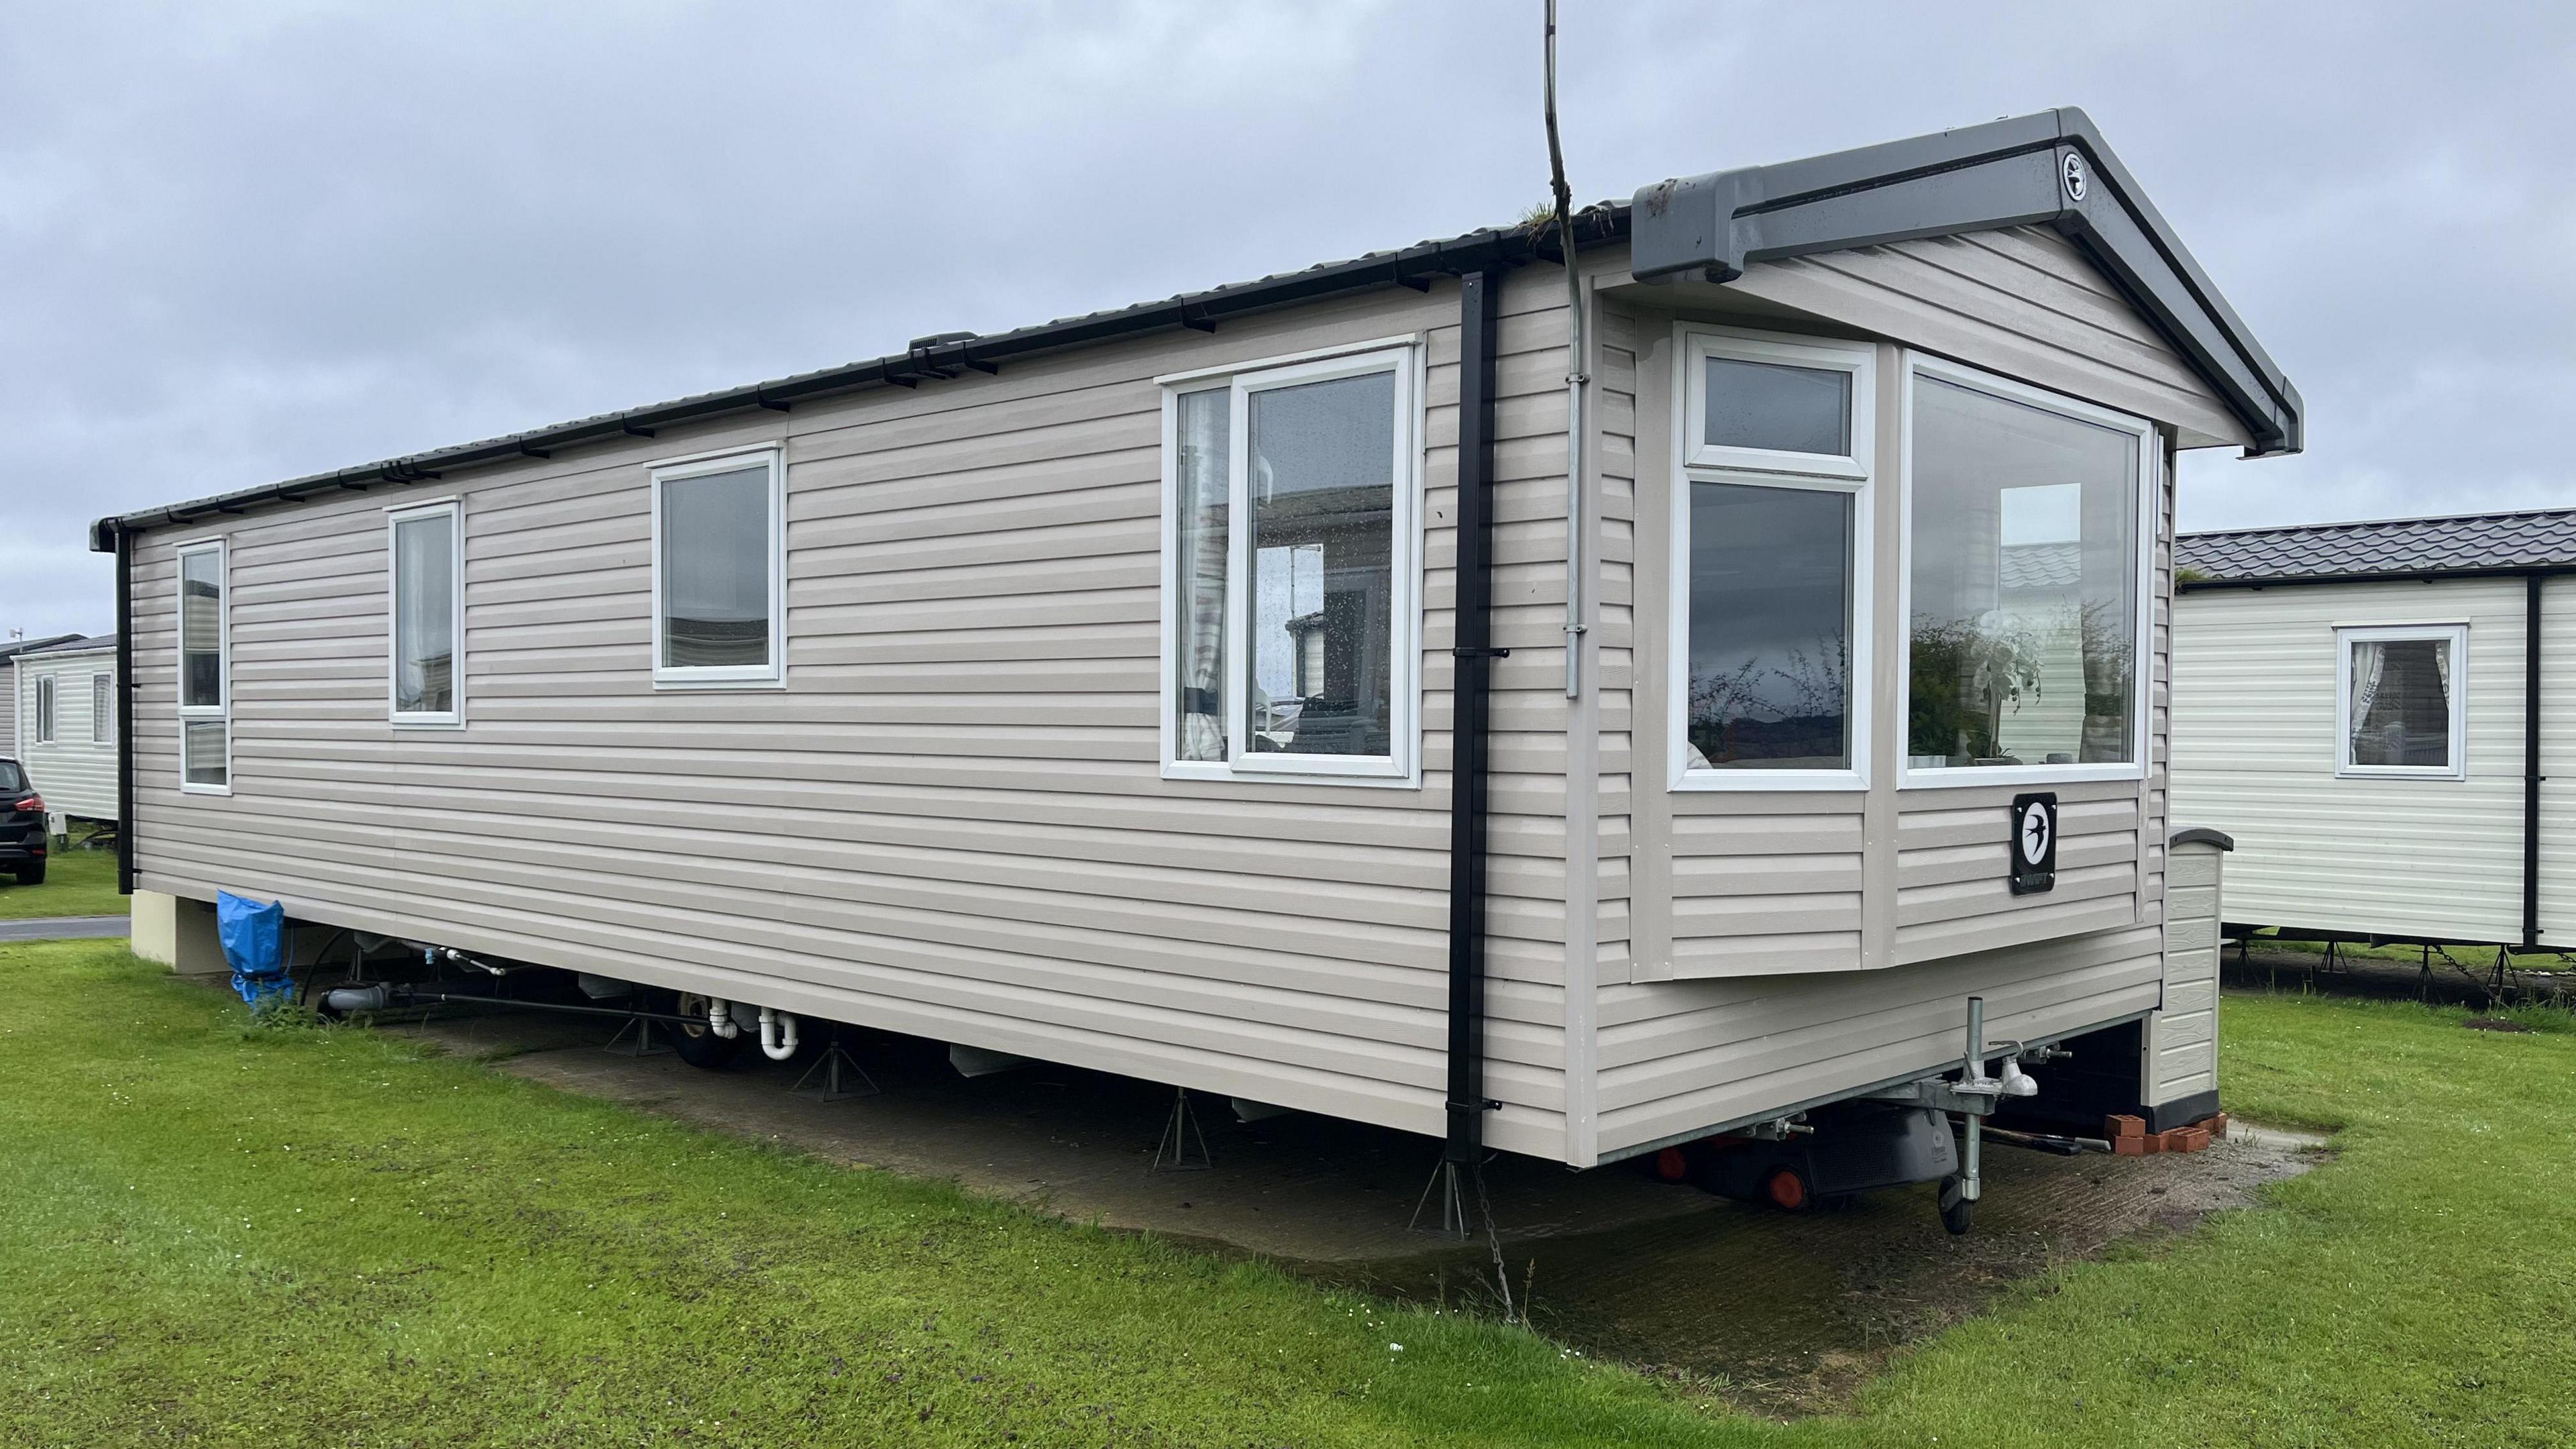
pixel 719 571
pixel 45 697
pixel 2401 706
pixel 1291 576
pixel 205 686
pixel 428 585
pixel 102 709
pixel 1770 564
pixel 1775 404
pixel 2027 556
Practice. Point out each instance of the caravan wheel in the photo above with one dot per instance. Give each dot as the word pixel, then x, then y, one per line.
pixel 695 1043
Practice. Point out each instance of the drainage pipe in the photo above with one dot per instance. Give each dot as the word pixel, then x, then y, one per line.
pixel 2531 762
pixel 720 1018
pixel 124 712
pixel 777 1034
pixel 1471 696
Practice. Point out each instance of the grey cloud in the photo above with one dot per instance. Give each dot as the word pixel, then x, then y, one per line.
pixel 242 243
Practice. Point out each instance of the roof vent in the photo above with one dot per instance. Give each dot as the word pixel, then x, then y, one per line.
pixel 939 339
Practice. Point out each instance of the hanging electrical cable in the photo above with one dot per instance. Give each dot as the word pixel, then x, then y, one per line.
pixel 1575 379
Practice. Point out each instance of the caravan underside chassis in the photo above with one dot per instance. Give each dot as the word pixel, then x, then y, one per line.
pixel 1886 1138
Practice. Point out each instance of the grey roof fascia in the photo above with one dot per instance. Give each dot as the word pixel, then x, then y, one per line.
pixel 2013 172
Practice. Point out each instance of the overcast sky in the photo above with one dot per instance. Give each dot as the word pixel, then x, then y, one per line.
pixel 240 242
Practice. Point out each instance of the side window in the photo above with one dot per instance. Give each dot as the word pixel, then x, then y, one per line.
pixel 425 546
pixel 1291 578
pixel 45 698
pixel 1770 549
pixel 205 656
pixel 102 709
pixel 2400 709
pixel 719 565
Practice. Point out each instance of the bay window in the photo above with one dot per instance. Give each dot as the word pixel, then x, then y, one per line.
pixel 205 660
pixel 1770 533
pixel 426 550
pixel 1290 569
pixel 2029 521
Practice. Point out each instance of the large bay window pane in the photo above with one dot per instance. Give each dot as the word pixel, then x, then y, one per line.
pixel 1199 545
pixel 1770 628
pixel 201 612
pixel 425 614
pixel 1322 500
pixel 2024 582
pixel 716 554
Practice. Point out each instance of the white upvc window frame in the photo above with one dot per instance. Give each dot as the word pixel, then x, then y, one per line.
pixel 1402 357
pixel 395 517
pixel 223 708
pixel 773 674
pixel 48 709
pixel 2457 636
pixel 1850 474
pixel 102 709
pixel 2150 492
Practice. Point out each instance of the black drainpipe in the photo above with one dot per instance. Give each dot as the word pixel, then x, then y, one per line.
pixel 1471 696
pixel 2531 762
pixel 124 712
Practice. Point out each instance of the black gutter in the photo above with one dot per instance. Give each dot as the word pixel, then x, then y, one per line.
pixel 2531 762
pixel 2048 169
pixel 933 358
pixel 2402 576
pixel 124 712
pixel 1471 698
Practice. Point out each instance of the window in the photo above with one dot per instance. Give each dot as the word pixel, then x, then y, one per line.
pixel 2028 532
pixel 44 709
pixel 102 709
pixel 205 693
pixel 2400 708
pixel 426 547
pixel 1770 533
pixel 719 571
pixel 1291 571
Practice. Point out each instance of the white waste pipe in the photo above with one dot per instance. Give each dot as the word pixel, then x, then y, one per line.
pixel 720 1018
pixel 777 1035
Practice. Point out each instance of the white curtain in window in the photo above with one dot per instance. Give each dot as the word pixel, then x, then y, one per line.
pixel 2442 665
pixel 2369 665
pixel 1202 563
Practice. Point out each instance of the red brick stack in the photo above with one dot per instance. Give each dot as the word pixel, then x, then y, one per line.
pixel 2130 1138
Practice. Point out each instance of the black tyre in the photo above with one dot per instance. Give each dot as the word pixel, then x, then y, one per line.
pixel 696 1043
pixel 1958 1210
pixel 32 874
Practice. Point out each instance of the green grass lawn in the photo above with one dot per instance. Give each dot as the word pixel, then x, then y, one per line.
pixel 221 1234
pixel 77 883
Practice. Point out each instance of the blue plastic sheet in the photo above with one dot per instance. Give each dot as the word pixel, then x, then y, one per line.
pixel 254 939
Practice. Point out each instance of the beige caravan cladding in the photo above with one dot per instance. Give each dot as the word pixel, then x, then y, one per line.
pixel 1780 897
pixel 949 819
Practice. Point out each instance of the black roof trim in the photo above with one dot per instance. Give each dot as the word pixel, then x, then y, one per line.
pixel 2004 173
pixel 937 357
pixel 2052 169
pixel 2509 543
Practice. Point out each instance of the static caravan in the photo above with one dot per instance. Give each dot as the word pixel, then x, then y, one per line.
pixel 2382 715
pixel 1574 705
pixel 66 728
pixel 9 653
